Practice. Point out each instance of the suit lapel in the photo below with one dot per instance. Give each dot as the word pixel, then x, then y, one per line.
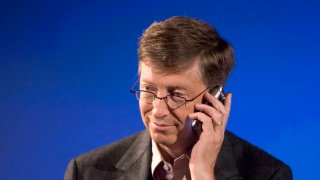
pixel 136 162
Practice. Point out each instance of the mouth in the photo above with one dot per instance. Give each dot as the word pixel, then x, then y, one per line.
pixel 161 127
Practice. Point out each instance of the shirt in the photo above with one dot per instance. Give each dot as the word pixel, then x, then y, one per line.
pixel 162 170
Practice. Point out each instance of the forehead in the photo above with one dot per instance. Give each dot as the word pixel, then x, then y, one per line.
pixel 187 79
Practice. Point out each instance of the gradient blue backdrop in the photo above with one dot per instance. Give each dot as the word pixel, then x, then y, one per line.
pixel 66 68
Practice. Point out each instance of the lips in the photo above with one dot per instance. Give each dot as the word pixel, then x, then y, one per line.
pixel 160 126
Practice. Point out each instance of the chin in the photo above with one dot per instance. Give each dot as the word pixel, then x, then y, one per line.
pixel 164 139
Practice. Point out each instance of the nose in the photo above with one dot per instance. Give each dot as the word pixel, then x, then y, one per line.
pixel 160 108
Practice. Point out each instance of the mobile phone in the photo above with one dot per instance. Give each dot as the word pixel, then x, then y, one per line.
pixel 218 93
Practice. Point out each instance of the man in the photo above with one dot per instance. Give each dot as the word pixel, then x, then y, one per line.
pixel 180 61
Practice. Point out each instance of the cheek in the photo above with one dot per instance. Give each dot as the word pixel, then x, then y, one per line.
pixel 145 109
pixel 188 109
pixel 183 114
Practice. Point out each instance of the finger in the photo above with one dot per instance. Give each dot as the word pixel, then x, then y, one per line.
pixel 219 117
pixel 223 108
pixel 227 105
pixel 207 125
pixel 209 110
pixel 227 101
pixel 210 134
pixel 214 101
pixel 216 116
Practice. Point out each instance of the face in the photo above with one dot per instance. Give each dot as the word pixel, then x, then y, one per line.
pixel 170 128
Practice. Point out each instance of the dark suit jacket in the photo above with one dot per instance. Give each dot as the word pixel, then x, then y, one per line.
pixel 130 158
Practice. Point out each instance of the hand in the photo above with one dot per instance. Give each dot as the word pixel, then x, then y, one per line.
pixel 214 120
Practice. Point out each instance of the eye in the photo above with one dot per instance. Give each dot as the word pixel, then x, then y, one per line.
pixel 177 94
pixel 147 87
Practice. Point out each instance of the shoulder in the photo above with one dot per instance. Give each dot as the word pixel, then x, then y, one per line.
pixel 107 156
pixel 252 161
pixel 113 160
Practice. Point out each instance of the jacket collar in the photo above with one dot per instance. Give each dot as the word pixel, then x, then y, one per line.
pixel 136 162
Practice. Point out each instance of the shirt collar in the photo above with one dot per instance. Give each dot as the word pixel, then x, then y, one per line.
pixel 157 157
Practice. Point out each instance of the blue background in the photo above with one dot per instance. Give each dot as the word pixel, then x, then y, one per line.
pixel 66 68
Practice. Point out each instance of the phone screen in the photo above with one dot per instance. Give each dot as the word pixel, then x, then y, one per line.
pixel 217 93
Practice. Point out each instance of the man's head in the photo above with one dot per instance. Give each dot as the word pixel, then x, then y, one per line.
pixel 178 43
pixel 178 57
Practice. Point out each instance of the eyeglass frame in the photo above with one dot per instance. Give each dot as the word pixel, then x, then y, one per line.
pixel 165 97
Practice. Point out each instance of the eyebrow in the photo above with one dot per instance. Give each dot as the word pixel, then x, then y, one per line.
pixel 173 87
pixel 146 81
pixel 177 88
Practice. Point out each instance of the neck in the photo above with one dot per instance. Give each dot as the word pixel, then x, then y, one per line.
pixel 171 152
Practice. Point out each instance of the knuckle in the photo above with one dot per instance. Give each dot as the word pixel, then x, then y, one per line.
pixel 223 111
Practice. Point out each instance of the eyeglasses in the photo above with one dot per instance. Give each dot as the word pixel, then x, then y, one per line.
pixel 173 101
